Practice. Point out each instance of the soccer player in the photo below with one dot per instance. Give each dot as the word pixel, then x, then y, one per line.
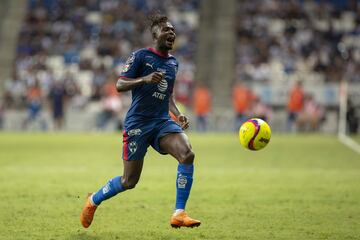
pixel 150 74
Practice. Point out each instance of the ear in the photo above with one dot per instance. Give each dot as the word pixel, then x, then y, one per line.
pixel 155 32
pixel 154 35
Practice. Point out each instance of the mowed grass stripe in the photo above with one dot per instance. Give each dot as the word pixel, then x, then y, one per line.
pixel 299 187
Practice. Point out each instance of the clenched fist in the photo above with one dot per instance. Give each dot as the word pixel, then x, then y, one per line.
pixel 184 122
pixel 154 77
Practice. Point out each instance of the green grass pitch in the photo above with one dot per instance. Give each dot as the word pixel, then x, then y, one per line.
pixel 356 138
pixel 298 187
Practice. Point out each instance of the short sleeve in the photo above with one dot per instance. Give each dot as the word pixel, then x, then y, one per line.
pixel 176 68
pixel 132 66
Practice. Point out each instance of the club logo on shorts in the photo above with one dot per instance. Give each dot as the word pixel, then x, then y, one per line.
pixel 181 181
pixel 162 85
pixel 134 132
pixel 133 147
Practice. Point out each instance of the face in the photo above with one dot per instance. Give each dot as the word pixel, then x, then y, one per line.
pixel 165 36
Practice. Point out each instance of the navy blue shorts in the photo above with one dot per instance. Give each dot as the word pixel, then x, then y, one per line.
pixel 140 136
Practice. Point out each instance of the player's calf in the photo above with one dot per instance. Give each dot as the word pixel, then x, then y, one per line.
pixel 129 184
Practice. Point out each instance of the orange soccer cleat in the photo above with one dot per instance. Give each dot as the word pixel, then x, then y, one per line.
pixel 181 219
pixel 88 212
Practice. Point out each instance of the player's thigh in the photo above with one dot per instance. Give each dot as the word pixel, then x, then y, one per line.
pixel 178 146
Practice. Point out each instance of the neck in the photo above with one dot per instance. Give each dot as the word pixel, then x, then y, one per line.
pixel 164 52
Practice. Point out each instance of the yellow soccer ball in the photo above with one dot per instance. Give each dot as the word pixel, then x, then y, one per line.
pixel 254 134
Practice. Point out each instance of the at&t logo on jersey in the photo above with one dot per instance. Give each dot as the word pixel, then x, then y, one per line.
pixel 160 96
pixel 162 85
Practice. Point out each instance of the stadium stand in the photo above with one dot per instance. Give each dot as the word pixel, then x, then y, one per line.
pixel 282 42
pixel 83 44
pixel 317 42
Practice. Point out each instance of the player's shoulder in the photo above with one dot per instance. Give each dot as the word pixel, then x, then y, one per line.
pixel 137 56
pixel 149 53
pixel 153 52
pixel 139 52
pixel 174 61
pixel 173 58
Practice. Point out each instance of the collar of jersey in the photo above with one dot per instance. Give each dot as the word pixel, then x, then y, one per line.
pixel 159 53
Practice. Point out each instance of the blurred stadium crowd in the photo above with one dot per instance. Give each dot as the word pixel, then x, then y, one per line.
pixel 70 52
pixel 315 41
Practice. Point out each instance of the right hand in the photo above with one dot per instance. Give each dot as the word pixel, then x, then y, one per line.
pixel 154 77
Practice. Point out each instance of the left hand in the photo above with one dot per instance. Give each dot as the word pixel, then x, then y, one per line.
pixel 183 120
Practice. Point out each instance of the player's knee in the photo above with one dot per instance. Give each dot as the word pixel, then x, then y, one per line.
pixel 188 157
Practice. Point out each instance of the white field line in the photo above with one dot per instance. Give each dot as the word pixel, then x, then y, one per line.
pixel 349 142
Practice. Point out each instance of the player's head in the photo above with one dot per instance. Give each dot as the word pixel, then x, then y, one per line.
pixel 162 31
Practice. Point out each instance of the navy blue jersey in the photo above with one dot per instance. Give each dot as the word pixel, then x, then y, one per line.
pixel 149 101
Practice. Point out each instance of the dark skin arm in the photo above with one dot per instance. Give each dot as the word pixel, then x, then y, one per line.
pixel 126 84
pixel 184 122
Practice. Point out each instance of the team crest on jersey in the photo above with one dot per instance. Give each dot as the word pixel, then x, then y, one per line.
pixel 133 147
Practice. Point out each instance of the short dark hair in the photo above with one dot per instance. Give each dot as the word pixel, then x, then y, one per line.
pixel 156 20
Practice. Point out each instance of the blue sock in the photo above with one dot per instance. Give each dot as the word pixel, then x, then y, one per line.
pixel 112 188
pixel 183 184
